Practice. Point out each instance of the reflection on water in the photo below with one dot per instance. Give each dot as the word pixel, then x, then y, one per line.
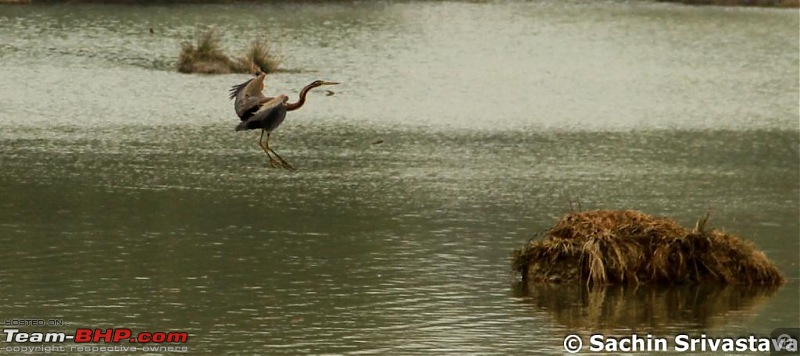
pixel 126 199
pixel 661 310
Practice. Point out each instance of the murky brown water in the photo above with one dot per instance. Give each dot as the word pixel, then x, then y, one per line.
pixel 126 199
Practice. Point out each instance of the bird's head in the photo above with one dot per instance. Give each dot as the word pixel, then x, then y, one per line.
pixel 319 83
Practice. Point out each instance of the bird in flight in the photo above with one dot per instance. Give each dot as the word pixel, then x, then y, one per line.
pixel 258 111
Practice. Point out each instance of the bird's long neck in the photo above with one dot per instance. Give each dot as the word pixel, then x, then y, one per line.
pixel 302 100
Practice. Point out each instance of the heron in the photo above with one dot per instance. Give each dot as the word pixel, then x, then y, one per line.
pixel 257 111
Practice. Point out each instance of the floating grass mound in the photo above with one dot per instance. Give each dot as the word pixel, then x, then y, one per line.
pixel 605 247
pixel 207 57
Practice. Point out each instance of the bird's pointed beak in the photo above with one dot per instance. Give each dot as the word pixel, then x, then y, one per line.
pixel 330 83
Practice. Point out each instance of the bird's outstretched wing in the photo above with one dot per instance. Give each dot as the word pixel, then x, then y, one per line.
pixel 238 88
pixel 247 97
pixel 249 105
pixel 268 116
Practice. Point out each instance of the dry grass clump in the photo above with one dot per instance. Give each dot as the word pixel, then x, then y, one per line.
pixel 259 55
pixel 605 247
pixel 204 57
pixel 207 57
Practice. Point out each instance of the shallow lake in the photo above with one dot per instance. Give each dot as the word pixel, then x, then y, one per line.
pixel 128 201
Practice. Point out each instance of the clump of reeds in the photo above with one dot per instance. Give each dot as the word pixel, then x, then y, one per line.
pixel 605 247
pixel 204 57
pixel 259 55
pixel 207 57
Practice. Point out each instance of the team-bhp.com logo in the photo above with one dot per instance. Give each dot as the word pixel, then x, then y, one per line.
pixel 84 335
pixel 18 341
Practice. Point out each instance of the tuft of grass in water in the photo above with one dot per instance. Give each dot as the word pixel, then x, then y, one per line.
pixel 259 56
pixel 605 247
pixel 206 56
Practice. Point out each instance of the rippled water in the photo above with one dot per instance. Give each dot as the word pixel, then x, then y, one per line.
pixel 126 199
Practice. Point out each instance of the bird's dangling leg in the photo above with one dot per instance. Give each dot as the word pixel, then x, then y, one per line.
pixel 272 162
pixel 283 162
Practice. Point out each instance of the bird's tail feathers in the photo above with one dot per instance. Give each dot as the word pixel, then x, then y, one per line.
pixel 241 126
